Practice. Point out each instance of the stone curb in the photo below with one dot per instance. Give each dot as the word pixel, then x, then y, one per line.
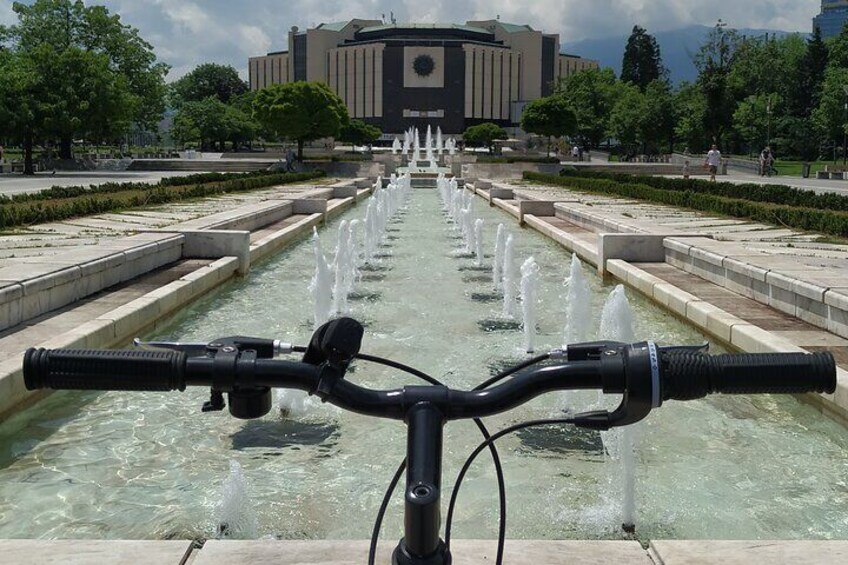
pixel 129 320
pixel 722 325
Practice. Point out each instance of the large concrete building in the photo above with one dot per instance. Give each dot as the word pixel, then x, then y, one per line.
pixel 448 75
pixel 834 15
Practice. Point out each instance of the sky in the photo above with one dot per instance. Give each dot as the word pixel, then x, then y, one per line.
pixel 186 33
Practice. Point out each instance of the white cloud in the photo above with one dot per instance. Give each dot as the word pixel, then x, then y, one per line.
pixel 188 33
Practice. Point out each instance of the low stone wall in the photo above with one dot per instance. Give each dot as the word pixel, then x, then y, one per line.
pixel 770 281
pixel 506 170
pixel 347 169
pixel 38 285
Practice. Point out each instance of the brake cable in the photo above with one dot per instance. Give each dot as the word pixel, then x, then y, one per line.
pixel 378 522
pixel 488 443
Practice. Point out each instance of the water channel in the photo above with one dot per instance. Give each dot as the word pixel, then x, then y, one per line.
pixel 151 466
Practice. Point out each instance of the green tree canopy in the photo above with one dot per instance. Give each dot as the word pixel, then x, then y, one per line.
pixel 483 135
pixel 302 111
pixel 591 95
pixel 19 110
pixel 642 62
pixel 752 119
pixel 94 76
pixel 829 117
pixel 659 119
pixel 205 81
pixel 714 61
pixel 357 132
pixel 551 116
pixel 690 107
pixel 210 122
pixel 627 117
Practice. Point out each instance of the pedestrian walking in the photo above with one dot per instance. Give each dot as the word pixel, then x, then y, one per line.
pixel 713 161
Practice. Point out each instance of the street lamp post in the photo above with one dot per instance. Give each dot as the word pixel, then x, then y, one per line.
pixel 844 125
pixel 768 122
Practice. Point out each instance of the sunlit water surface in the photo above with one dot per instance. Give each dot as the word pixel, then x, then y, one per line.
pixel 151 465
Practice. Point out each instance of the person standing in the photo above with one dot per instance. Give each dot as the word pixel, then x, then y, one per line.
pixel 766 161
pixel 713 161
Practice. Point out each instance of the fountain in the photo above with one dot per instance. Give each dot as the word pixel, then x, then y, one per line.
pixel 529 284
pixel 578 309
pixel 321 285
pixel 497 264
pixel 320 475
pixel 345 269
pixel 478 241
pixel 234 514
pixel 617 325
pixel 508 279
pixel 396 146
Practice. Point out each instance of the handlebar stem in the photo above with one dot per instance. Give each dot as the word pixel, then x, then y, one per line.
pixel 422 516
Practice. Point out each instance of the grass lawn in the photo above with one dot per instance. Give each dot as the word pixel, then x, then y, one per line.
pixel 793 168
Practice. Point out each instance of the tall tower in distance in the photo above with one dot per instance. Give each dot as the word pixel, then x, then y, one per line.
pixel 834 15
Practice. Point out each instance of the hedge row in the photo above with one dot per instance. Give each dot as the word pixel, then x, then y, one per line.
pixel 517 159
pixel 112 187
pixel 773 193
pixel 134 195
pixel 811 219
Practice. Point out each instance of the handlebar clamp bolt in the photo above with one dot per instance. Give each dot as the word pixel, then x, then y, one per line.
pixel 421 491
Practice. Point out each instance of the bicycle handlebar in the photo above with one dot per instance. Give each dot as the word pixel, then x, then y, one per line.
pixel 245 370
pixel 646 375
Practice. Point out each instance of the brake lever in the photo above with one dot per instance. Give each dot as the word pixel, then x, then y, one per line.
pixel 200 349
pixel 190 349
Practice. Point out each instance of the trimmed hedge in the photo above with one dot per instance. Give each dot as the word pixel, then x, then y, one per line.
pixel 803 218
pixel 773 193
pixel 14 213
pixel 110 187
pixel 517 159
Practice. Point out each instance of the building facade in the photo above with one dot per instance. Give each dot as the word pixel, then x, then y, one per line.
pixel 834 15
pixel 448 75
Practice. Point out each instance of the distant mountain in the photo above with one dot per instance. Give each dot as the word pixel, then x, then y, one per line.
pixel 677 48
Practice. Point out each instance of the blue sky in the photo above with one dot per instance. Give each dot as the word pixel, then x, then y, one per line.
pixel 186 33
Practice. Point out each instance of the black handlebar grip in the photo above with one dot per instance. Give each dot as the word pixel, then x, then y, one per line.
pixel 80 369
pixel 689 375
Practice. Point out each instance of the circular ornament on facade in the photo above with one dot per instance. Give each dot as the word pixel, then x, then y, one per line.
pixel 423 65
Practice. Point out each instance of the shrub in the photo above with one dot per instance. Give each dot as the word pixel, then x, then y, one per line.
pixel 805 218
pixel 75 203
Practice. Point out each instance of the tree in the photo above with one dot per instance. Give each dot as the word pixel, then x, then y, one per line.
pixel 90 67
pixel 837 48
pixel 205 81
pixel 19 110
pixel 357 132
pixel 484 135
pixel 642 62
pixel 211 123
pixel 591 95
pixel 551 116
pixel 659 120
pixel 807 95
pixel 713 62
pixel 751 119
pixel 626 122
pixel 829 117
pixel 690 107
pixel 302 111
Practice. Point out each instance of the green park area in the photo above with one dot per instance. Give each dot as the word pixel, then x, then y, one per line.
pixel 77 82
